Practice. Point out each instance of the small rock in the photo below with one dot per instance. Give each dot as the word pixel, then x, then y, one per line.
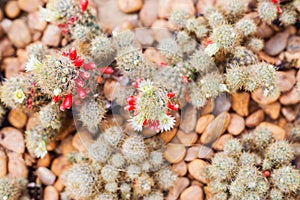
pixel 33 120
pixel 196 170
pixel 293 57
pixel 185 5
pixel 46 176
pixel 276 44
pixel 208 107
pixel 23 57
pixel 45 161
pixel 144 36
pixel 180 168
pixel 193 192
pixel 192 153
pixel 81 141
pixel 3 163
pixel 67 146
pixel 129 6
pixel 240 103
pixel 59 186
pixel 289 113
pixel 277 132
pixel 167 136
pixel 164 8
pixel 111 89
pixel 285 80
pixel 50 193
pixel 201 4
pixel 11 66
pixel 216 128
pixel 255 118
pixel 160 30
pixel 272 110
pixel 180 184
pixel 189 119
pixel 292 97
pixel 264 31
pixel 12 9
pixel 12 139
pixel 59 164
pixel 16 165
pixel 259 97
pixel 293 44
pixel 187 139
pixel 149 12
pixel 203 122
pixel 219 144
pixel 6 24
pixel 222 104
pixel 19 38
pixel 29 5
pixel 236 125
pixel 205 152
pixel 6 48
pixel 174 153
pixel 51 36
pixel 35 22
pixel 154 56
pixel 1 15
pixel 17 118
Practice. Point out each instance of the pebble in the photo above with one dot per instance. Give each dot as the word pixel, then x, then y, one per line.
pixel 167 136
pixel 45 161
pixel 289 113
pixel 50 193
pixel 67 146
pixel 216 128
pixel 236 125
pixel 264 31
pixel 111 89
pixel 255 118
pixel 205 152
pixel 160 30
pixel 293 57
pixel 187 139
pixel 29 5
pixel 277 132
pixel 35 22
pixel 17 118
pixel 285 80
pixel 259 97
pixel 194 192
pixel 185 5
pixel 81 141
pixel 174 153
pixel 16 165
pixel 46 176
pixel 180 184
pixel 293 44
pixel 180 168
pixel 19 38
pixel 3 163
pixel 149 12
pixel 154 56
pixel 222 104
pixel 164 8
pixel 272 110
pixel 203 122
pixel 144 36
pixel 192 153
pixel 12 139
pixel 196 170
pixel 290 98
pixel 240 103
pixel 59 186
pixel 129 6
pixel 11 65
pixel 208 107
pixel 51 36
pixel 1 15
pixel 12 9
pixel 59 164
pixel 277 43
pixel 189 119
pixel 219 144
pixel 23 57
pixel 6 48
pixel 201 4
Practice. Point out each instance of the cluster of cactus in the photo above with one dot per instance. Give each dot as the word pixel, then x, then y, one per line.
pixel 11 188
pixel 119 166
pixel 257 166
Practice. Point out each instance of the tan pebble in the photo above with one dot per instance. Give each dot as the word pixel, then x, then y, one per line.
pixel 19 38
pixel 255 118
pixel 50 193
pixel 285 80
pixel 59 165
pixel 154 56
pixel 23 57
pixel 277 132
pixel 3 163
pixel 16 165
pixel 196 170
pixel 187 139
pixel 11 66
pixel 46 176
pixel 197 183
pixel 193 192
pixel 175 153
pixel 12 139
pixel 29 5
pixel 290 98
pixel 180 168
pixel 59 186
pixel 282 122
pixel 67 146
pixel 17 118
pixel 167 136
pixel 208 107
pixel 160 30
pixel 6 48
pixel 164 8
pixel 149 12
pixel 68 128
pixel 272 110
pixel 180 184
pixel 1 15
pixel 192 153
pixel 216 128
pixel 51 146
pixel 203 122
pixel 276 44
pixel 236 125
pixel 222 104
pixel 81 141
pixel 240 103
pixel 36 22
pixel 111 89
pixel 189 119
pixel 33 120
pixel 259 97
pixel 208 193
pixel 205 152
pixel 12 9
pixel 45 161
pixel 148 132
pixel 293 57
pixel 219 144
pixel 52 36
pixel 129 6
pixel 289 113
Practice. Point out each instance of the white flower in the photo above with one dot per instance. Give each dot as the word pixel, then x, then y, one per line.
pixel 146 86
pixel 135 124
pixel 19 96
pixel 57 91
pixel 49 15
pixel 211 49
pixel 33 64
pixel 41 150
pixel 166 122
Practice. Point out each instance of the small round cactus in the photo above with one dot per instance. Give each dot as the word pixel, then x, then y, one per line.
pixel 225 37
pixel 246 26
pixel 134 149
pixel 113 136
pixel 280 153
pixel 178 18
pixel 50 115
pixel 201 62
pixel 288 16
pixel 11 189
pixel 255 44
pixel 170 49
pixel 267 11
pixel 214 17
pixel 99 151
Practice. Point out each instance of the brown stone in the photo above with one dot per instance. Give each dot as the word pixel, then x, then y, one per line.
pixel 23 58
pixel 51 36
pixel 16 165
pixel 180 168
pixel 6 48
pixel 285 80
pixel 255 118
pixel 29 5
pixel 167 136
pixel 259 97
pixel 154 56
pixel 180 184
pixel 164 8
pixel 187 139
pixel 272 110
pixel 12 139
pixel 219 144
pixel 276 44
pixel 111 89
pixel 46 176
pixel 160 30
pixel 289 113
pixel 236 125
pixel 193 192
pixel 293 44
pixel 196 170
pixel 290 98
pixel 11 66
pixel 264 31
pixel 59 186
pixel 19 38
pixel 35 22
pixel 222 104
pixel 192 153
pixel 208 107
pixel 203 122
pixel 12 9
pixel 144 36
pixel 67 146
pixel 149 12
pixel 17 118
pixel 50 193
pixel 189 119
pixel 174 153
pixel 45 161
pixel 59 164
pixel 277 132
pixel 216 128
pixel 81 141
pixel 3 163
pixel 293 57
pixel 129 6
pixel 205 152
pixel 240 103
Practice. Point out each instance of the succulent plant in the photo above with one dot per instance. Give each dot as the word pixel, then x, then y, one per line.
pixel 11 188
